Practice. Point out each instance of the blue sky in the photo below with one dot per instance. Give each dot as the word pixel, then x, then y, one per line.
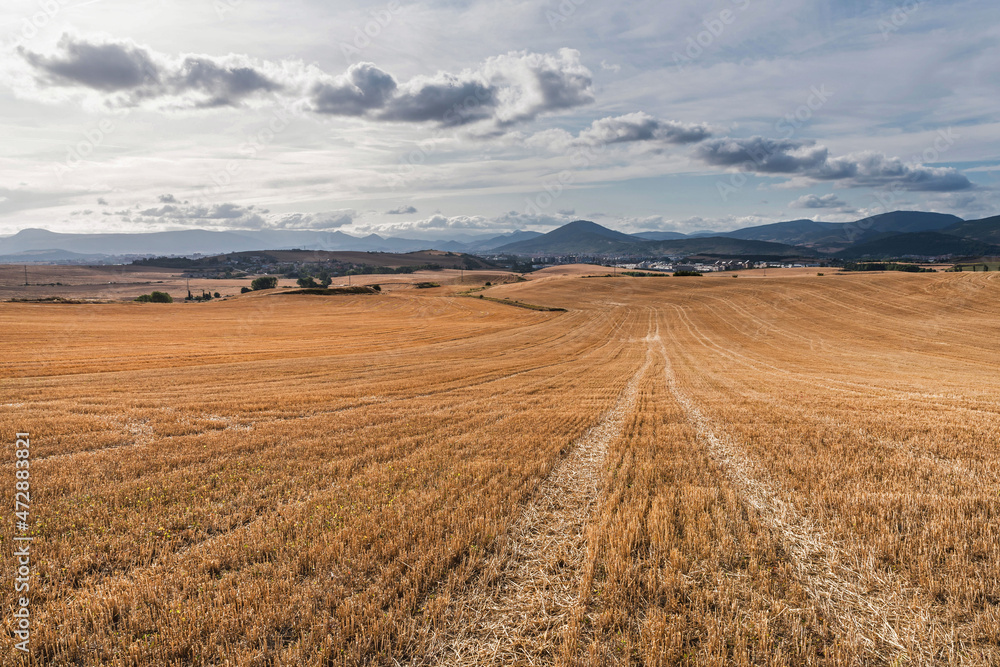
pixel 444 118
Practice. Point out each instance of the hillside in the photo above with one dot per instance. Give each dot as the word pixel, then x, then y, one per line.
pixel 792 232
pixel 919 244
pixel 986 229
pixel 721 246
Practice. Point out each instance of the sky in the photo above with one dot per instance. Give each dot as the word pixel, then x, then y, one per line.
pixel 462 118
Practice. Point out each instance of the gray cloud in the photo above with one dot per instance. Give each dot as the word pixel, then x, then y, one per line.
pixel 107 67
pixel 137 74
pixel 402 210
pixel 763 155
pixel 363 88
pixel 641 126
pixel 312 221
pixel 813 161
pixel 818 201
pixel 508 89
pixel 222 85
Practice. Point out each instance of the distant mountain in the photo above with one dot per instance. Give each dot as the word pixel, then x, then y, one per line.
pixel 834 236
pixel 907 221
pixel 587 238
pixel 919 244
pixel 581 236
pixel 986 229
pixel 164 243
pixel 504 239
pixel 793 232
pixel 200 241
pixel 50 257
pixel 660 236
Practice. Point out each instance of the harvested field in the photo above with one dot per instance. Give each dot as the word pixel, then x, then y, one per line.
pixel 794 470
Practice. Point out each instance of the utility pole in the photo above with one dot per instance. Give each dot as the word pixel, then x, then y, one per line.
pixel 26 275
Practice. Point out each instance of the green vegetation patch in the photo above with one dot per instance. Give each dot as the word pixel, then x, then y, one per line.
pixel 885 266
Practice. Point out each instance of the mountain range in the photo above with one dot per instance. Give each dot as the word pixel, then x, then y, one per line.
pixel 889 235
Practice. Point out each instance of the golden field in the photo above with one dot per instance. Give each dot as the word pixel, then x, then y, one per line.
pixel 786 470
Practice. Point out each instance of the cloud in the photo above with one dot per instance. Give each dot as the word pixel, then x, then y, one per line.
pixel 506 89
pixel 609 67
pixel 203 213
pixel 313 221
pixel 641 126
pixel 235 216
pixel 763 155
pixel 107 67
pixel 402 210
pixel 817 201
pixel 130 75
pixel 813 162
pixel 361 89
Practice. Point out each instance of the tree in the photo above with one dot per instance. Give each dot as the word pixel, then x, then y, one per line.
pixel 264 282
pixel 244 290
pixel 307 282
pixel 218 296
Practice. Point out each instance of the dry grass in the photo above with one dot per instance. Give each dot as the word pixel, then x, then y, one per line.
pixel 779 471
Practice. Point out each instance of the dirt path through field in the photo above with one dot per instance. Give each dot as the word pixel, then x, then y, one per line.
pixel 521 619
pixel 874 613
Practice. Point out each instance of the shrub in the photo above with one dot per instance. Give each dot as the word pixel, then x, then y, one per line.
pixel 264 282
pixel 687 273
pixel 244 290
pixel 155 297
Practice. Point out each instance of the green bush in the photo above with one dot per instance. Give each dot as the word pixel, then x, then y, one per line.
pixel 687 273
pixel 244 290
pixel 155 297
pixel 264 282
